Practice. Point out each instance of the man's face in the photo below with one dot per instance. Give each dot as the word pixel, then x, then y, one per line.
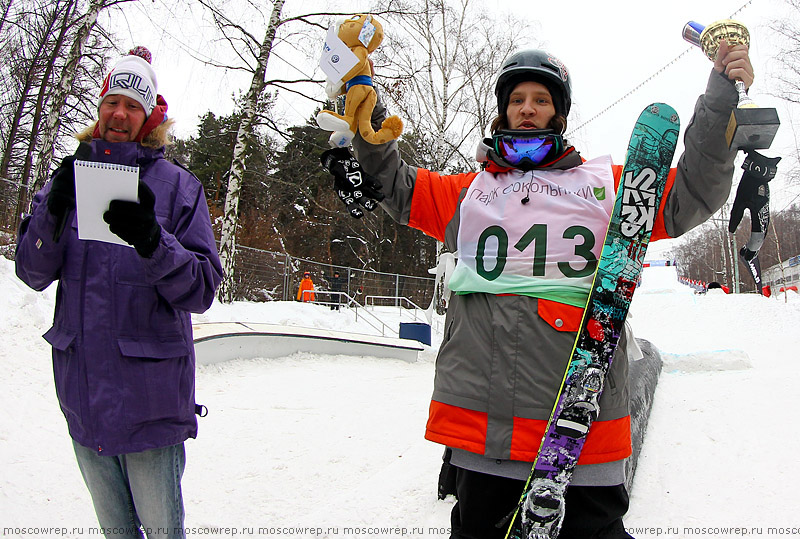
pixel 530 106
pixel 120 118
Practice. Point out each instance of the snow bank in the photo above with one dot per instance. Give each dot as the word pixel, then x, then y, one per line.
pixel 335 443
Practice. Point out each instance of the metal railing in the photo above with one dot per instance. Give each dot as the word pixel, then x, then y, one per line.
pixel 268 276
pixel 404 304
pixel 370 318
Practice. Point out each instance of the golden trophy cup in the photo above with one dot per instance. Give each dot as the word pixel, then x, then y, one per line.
pixel 751 127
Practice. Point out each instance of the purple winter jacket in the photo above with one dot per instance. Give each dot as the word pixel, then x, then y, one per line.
pixel 123 354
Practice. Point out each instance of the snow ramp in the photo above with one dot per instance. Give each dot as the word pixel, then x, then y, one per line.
pixel 661 278
pixel 223 341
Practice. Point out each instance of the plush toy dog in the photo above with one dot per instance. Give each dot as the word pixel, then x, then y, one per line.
pixel 362 34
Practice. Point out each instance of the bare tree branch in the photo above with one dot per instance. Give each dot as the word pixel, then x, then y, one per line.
pixel 445 54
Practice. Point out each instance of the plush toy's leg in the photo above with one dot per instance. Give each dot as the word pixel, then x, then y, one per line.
pixel 330 121
pixel 344 126
pixel 342 133
pixel 391 128
pixel 341 139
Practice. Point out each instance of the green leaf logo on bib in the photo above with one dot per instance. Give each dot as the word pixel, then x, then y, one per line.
pixel 599 193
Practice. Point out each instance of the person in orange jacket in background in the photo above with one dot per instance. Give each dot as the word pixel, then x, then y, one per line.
pixel 306 284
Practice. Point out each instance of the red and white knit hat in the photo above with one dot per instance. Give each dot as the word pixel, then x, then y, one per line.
pixel 133 76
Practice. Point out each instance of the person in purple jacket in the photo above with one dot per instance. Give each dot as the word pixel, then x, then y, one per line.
pixel 123 355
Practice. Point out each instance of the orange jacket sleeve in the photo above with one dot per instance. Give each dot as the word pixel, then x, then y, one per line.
pixel 435 200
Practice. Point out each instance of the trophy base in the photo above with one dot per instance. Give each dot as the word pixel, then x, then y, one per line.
pixel 752 128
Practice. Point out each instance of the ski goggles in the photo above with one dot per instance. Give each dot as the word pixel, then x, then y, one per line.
pixel 527 148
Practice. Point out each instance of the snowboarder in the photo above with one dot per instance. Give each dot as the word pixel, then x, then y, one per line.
pixel 527 231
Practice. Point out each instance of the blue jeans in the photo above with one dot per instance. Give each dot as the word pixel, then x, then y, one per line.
pixel 136 492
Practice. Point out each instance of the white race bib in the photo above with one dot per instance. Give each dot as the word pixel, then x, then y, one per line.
pixel 537 233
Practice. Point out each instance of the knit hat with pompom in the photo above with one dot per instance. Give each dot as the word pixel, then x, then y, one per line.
pixel 133 76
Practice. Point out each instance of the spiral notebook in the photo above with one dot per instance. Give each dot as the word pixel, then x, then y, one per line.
pixel 97 184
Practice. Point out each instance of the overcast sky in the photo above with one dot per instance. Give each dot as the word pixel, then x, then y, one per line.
pixel 610 47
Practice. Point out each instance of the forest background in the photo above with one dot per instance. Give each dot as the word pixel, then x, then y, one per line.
pixel 241 77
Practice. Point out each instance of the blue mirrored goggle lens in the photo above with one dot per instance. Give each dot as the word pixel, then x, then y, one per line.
pixel 514 150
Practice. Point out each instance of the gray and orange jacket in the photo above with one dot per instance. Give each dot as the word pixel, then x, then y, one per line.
pixel 502 357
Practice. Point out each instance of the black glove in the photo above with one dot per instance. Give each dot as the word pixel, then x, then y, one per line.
pixel 753 194
pixel 354 187
pixel 61 199
pixel 135 222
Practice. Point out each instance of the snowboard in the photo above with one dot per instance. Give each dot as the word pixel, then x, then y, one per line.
pixel 647 164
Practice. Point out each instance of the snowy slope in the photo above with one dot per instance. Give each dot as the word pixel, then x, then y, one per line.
pixel 715 457
pixel 332 446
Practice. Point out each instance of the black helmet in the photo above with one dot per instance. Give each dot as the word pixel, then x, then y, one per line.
pixel 539 66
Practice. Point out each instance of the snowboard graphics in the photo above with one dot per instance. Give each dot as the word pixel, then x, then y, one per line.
pixel 650 150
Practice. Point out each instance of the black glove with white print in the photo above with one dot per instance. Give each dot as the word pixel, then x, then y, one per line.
pixel 352 184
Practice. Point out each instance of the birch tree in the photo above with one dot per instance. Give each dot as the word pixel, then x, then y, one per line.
pixel 26 46
pixel 33 42
pixel 37 107
pixel 230 219
pixel 255 55
pixel 63 87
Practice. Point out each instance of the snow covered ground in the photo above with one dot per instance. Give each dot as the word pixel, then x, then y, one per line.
pixel 332 446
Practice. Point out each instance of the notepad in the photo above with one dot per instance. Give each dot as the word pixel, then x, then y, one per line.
pixel 97 184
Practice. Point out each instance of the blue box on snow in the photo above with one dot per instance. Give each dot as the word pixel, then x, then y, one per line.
pixel 416 331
